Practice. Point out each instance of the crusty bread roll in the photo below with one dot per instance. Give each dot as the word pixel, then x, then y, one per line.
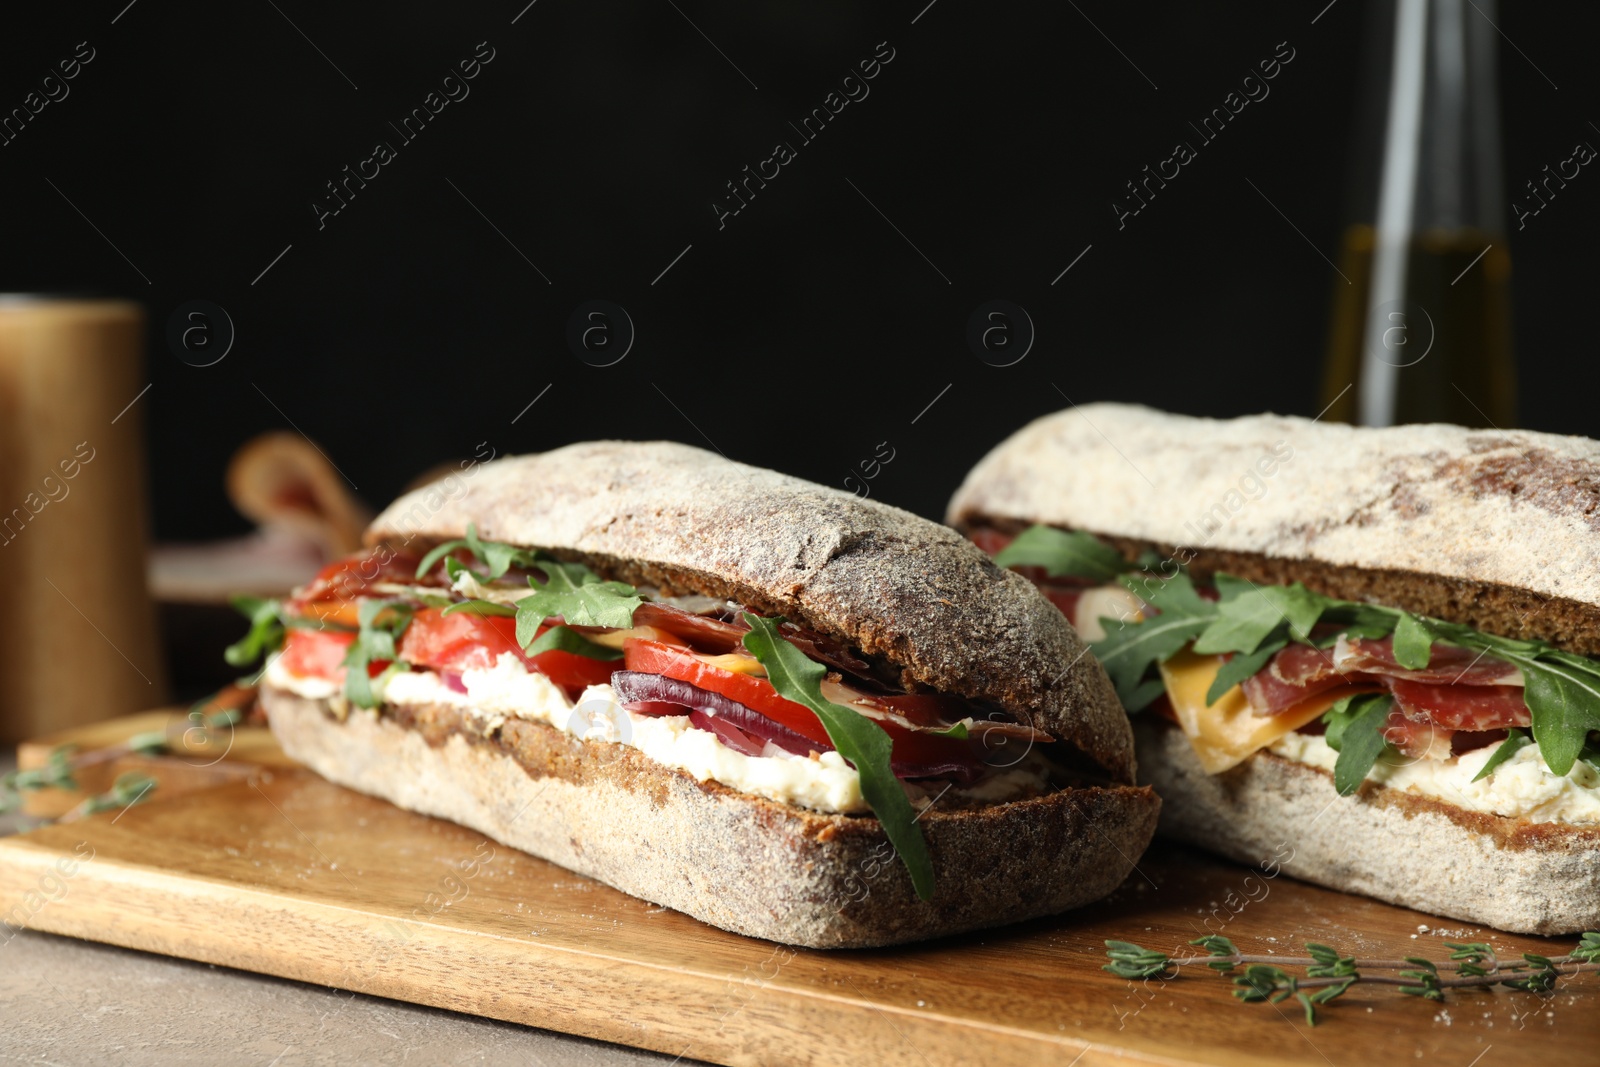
pixel 908 593
pixel 1512 874
pixel 1499 529
pixel 1496 529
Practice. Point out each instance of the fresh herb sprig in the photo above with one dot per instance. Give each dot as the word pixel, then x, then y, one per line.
pixel 1064 554
pixel 130 788
pixel 1355 730
pixel 569 591
pixel 857 738
pixel 1329 973
pixel 61 766
pixel 269 623
pixel 578 596
pixel 55 774
pixel 381 624
pixel 497 557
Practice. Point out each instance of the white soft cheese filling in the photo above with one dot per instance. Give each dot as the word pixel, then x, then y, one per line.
pixel 1521 787
pixel 508 690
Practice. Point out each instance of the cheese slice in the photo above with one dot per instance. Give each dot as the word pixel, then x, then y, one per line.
pixel 1227 732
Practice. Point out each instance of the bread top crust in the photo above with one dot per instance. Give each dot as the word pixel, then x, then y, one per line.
pixel 1447 514
pixel 896 586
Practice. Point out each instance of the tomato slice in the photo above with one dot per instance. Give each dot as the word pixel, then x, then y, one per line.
pixel 990 540
pixel 573 672
pixel 464 640
pixel 320 654
pixel 331 596
pixel 459 641
pixel 757 694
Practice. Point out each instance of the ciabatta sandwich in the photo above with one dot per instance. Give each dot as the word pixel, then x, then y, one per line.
pixel 784 710
pixel 1372 651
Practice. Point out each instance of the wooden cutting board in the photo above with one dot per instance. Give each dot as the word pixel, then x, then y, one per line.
pixel 277 871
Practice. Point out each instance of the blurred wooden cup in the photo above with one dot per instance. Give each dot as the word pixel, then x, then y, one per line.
pixel 78 640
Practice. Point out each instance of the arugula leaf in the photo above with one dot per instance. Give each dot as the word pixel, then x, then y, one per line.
pixel 381 622
pixel 1565 701
pixel 1248 614
pixel 1241 625
pixel 1413 642
pixel 497 556
pixel 1355 731
pixel 1167 595
pixel 1242 666
pixel 857 738
pixel 1299 605
pixel 1063 553
pixel 578 596
pixel 1515 742
pixel 561 639
pixel 479 607
pixel 1129 650
pixel 266 630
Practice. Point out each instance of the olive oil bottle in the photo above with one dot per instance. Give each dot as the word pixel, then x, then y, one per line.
pixel 1421 327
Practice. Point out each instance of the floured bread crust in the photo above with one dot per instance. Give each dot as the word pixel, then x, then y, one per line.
pixel 1511 874
pixel 731 859
pixel 1496 529
pixel 896 586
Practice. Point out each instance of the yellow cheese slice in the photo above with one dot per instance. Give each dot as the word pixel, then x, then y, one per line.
pixel 1227 732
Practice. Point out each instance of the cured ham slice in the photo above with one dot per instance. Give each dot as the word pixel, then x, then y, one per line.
pixel 1462 707
pixel 1297 672
pixel 1418 739
pixel 1447 664
pixel 1300 671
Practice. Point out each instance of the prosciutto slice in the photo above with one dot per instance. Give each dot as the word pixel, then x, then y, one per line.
pixel 1447 664
pixel 1417 738
pixel 1298 672
pixel 1459 701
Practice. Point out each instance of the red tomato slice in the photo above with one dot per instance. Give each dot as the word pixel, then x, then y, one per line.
pixel 463 640
pixel 990 540
pixel 320 654
pixel 331 596
pixel 758 695
pixel 573 672
pixel 459 641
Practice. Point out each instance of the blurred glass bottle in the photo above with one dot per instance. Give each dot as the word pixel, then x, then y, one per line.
pixel 1421 317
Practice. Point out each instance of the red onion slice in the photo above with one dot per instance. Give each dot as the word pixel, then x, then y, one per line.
pixel 636 687
pixel 745 730
pixel 727 733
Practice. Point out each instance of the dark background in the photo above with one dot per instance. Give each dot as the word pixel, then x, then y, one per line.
pixel 407 330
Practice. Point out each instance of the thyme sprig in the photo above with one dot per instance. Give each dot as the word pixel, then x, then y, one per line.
pixel 59 770
pixel 1328 974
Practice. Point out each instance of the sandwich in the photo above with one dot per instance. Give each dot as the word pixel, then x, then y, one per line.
pixel 1366 656
pixel 784 710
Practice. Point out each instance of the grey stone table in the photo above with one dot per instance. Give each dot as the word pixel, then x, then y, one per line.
pixel 70 1002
